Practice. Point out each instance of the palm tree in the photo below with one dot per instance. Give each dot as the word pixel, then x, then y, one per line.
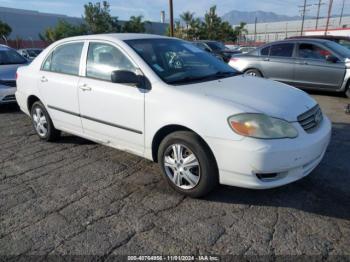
pixel 135 25
pixel 187 17
pixel 241 30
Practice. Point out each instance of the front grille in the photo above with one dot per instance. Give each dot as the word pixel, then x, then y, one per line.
pixel 9 98
pixel 10 83
pixel 311 119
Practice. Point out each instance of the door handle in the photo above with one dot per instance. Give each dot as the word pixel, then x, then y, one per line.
pixel 43 79
pixel 85 87
pixel 266 59
pixel 301 63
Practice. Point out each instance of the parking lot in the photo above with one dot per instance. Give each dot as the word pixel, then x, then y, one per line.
pixel 77 197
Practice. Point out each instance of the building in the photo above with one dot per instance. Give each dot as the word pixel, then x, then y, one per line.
pixel 268 32
pixel 27 25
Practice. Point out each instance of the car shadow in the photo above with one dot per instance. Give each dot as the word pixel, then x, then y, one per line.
pixel 325 191
pixel 9 108
pixel 324 93
pixel 71 139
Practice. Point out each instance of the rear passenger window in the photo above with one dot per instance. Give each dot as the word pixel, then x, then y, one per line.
pixel 265 51
pixel 282 50
pixel 64 59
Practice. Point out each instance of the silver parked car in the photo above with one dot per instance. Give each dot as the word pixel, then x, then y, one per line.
pixel 10 60
pixel 303 63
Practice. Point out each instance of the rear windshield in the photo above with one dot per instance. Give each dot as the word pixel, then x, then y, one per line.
pixel 11 57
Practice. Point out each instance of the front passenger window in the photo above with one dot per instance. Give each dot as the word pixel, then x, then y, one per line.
pixel 103 59
pixel 310 51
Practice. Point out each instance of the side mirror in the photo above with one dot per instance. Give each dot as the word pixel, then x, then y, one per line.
pixel 125 77
pixel 331 59
pixel 207 50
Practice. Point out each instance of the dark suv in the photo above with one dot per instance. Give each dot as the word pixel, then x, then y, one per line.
pixel 218 49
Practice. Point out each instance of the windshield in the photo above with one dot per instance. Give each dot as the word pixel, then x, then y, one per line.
pixel 11 57
pixel 217 46
pixel 345 43
pixel 179 62
pixel 339 49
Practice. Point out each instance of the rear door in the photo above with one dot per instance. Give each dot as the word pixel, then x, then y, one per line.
pixel 314 71
pixel 58 85
pixel 279 64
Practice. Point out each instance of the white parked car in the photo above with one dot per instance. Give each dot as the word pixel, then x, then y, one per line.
pixel 170 102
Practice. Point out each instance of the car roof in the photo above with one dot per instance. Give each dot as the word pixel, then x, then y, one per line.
pixel 205 41
pixel 4 47
pixel 326 37
pixel 295 40
pixel 115 36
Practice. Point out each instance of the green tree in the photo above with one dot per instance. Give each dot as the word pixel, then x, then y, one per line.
pixel 98 18
pixel 134 25
pixel 195 29
pixel 63 29
pixel 187 17
pixel 240 30
pixel 5 29
pixel 212 24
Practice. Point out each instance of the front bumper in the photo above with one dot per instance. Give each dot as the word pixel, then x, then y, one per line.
pixel 7 95
pixel 242 162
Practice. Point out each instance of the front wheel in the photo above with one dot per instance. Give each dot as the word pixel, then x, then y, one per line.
pixel 42 123
pixel 188 164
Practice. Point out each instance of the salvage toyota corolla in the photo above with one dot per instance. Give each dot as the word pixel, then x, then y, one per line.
pixel 168 101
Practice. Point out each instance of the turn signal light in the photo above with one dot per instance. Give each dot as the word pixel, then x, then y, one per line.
pixel 245 128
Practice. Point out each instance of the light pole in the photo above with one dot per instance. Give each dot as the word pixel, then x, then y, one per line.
pixel 329 15
pixel 171 12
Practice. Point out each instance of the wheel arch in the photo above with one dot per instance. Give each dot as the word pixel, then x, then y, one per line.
pixel 167 130
pixel 31 100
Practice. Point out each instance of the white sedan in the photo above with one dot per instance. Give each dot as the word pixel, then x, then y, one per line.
pixel 168 101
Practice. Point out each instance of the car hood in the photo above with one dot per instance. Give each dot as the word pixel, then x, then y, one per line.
pixel 260 95
pixel 8 72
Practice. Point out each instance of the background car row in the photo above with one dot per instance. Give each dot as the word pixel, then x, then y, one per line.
pixel 10 60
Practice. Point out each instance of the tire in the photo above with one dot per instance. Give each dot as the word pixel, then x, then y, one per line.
pixel 194 177
pixel 42 123
pixel 347 92
pixel 253 72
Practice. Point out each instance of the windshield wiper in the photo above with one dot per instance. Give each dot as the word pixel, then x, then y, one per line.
pixel 217 75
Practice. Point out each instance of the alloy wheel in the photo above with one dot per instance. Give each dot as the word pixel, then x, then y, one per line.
pixel 182 166
pixel 40 122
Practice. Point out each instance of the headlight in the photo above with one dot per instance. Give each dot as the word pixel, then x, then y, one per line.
pixel 261 126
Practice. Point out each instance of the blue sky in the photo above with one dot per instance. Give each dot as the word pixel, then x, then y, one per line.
pixel 150 9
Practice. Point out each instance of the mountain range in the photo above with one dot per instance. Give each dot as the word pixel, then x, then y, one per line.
pixel 234 17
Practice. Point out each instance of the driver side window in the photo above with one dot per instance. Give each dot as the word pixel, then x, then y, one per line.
pixel 310 51
pixel 103 59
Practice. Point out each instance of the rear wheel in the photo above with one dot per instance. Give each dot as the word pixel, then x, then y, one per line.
pixel 188 164
pixel 42 123
pixel 253 72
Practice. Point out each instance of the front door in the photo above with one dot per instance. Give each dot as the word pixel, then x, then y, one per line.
pixel 312 70
pixel 58 85
pixel 113 112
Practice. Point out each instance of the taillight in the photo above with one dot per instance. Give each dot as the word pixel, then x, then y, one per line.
pixel 234 59
pixel 16 75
